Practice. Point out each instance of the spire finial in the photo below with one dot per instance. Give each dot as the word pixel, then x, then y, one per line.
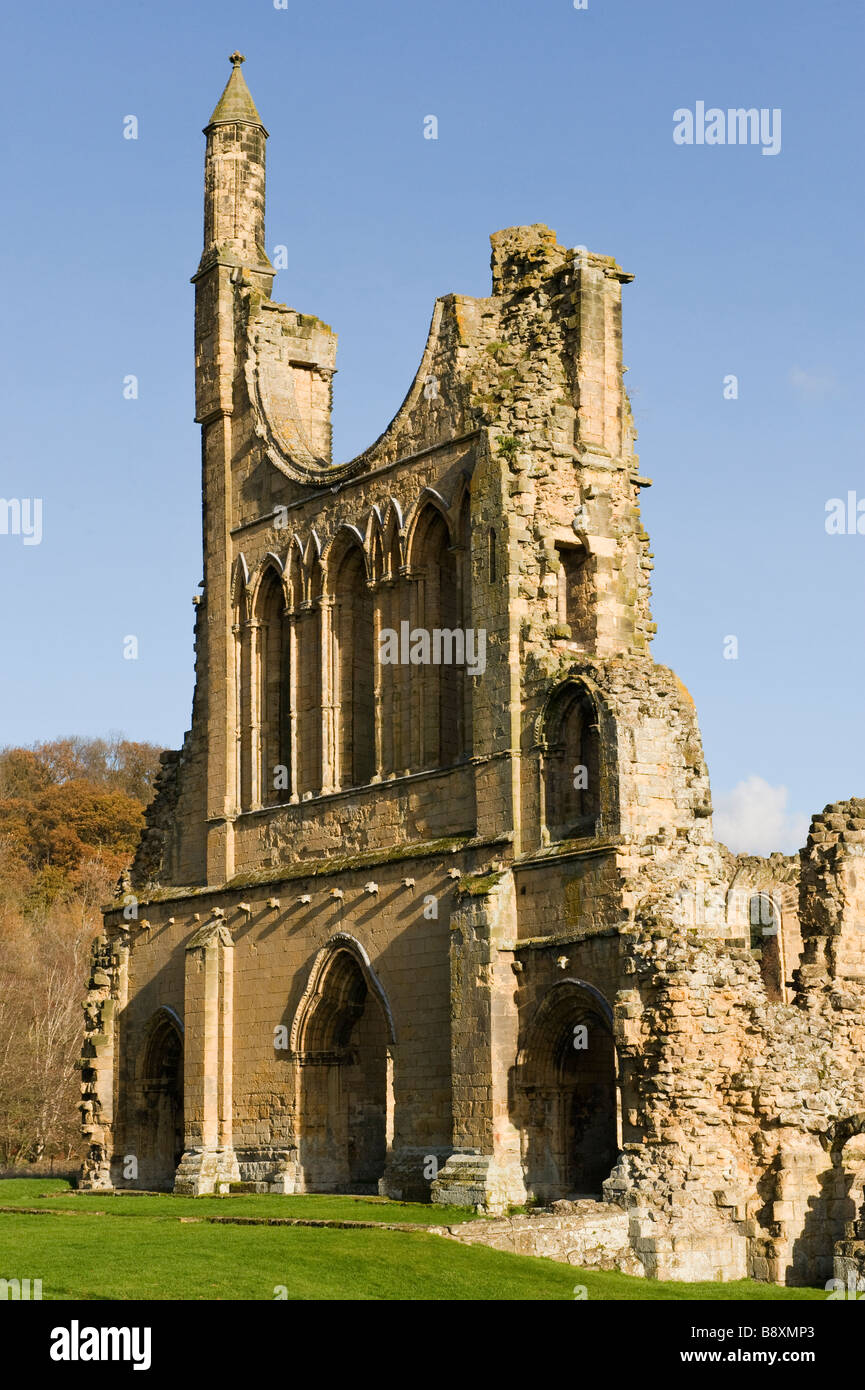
pixel 235 105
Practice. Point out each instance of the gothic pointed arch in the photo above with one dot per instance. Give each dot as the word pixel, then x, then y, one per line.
pixel 270 693
pixel 160 1140
pixel 164 1023
pixel 239 582
pixel 576 780
pixel 373 544
pixel 766 937
pixel 307 691
pixel 294 575
pixel 567 1097
pixel 303 1034
pixel 333 551
pixel 312 567
pixel 437 689
pixel 462 505
pixel 271 568
pixel 428 500
pixel 342 1039
pixel 353 659
pixel 393 602
pixel 393 530
pixel 461 498
pixel 375 550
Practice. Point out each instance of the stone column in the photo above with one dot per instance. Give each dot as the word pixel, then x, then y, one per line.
pixel 209 1162
pixel 485 1168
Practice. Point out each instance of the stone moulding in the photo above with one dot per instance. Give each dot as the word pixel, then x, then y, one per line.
pixel 311 997
pixel 282 433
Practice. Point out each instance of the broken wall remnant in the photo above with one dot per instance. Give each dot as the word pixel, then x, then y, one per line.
pixel 454 928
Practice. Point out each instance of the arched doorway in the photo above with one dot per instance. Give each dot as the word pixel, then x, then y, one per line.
pixel 342 1043
pixel 160 1146
pixel 567 1094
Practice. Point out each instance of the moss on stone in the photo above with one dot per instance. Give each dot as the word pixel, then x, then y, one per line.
pixel 478 885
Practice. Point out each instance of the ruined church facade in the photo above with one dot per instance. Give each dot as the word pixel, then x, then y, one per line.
pixel 429 902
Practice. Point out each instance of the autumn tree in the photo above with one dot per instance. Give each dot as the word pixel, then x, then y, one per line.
pixel 71 811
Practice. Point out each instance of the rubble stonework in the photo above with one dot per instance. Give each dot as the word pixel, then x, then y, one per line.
pixel 449 931
pixel 592 1235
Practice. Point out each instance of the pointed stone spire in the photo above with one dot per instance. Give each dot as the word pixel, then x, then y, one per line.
pixel 234 188
pixel 235 106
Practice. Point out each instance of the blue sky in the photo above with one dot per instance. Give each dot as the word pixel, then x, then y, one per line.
pixel 745 264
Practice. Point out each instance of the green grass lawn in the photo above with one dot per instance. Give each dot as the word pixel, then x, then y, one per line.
pixel 140 1249
pixel 28 1192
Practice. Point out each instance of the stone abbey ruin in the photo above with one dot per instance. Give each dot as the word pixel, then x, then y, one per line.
pixel 458 929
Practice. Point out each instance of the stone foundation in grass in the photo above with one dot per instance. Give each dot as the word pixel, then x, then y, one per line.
pixel 592 1235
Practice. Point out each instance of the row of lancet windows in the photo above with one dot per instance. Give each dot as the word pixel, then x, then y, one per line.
pixel 317 710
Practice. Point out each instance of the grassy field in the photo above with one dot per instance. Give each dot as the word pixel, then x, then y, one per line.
pixel 27 1192
pixel 140 1248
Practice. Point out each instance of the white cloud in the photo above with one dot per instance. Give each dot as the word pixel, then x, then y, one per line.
pixel 813 385
pixel 753 818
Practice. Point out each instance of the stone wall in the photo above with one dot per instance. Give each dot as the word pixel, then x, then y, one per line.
pixel 740 1103
pixel 591 1235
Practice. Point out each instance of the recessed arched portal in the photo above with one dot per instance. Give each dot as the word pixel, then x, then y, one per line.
pixel 567 1095
pixel 160 1131
pixel 342 1041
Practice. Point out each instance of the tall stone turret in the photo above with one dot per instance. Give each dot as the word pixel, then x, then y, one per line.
pixel 233 258
pixel 233 236
pixel 234 179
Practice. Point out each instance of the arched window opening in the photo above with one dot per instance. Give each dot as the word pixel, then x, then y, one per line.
pixel 394 704
pixel 354 674
pixel 273 686
pixel 572 765
pixel 767 946
pixel 245 679
pixel 308 691
pixel 575 595
pixel 439 680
